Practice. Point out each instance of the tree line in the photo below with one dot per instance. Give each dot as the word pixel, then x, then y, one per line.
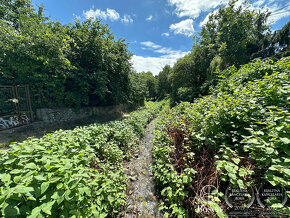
pixel 83 64
pixel 73 65
pixel 233 36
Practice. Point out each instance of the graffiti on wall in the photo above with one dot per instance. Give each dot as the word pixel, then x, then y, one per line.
pixel 15 106
pixel 13 121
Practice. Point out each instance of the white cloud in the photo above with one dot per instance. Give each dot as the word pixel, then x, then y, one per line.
pixel 165 34
pixel 127 19
pixel 149 18
pixel 151 45
pixel 278 11
pixel 108 14
pixel 184 27
pixel 159 49
pixel 193 8
pixel 207 18
pixel 165 50
pixel 259 3
pixel 155 64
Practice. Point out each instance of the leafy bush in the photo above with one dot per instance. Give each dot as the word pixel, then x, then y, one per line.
pixel 238 135
pixel 72 173
pixel 71 65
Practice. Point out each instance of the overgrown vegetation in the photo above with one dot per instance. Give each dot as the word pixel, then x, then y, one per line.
pixel 234 133
pixel 238 136
pixel 73 65
pixel 74 173
pixel 234 34
pixel 144 85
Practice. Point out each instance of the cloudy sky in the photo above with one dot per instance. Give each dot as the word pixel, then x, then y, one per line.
pixel 158 31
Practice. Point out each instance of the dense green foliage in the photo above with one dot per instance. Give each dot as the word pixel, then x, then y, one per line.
pixel 234 34
pixel 74 65
pixel 73 173
pixel 163 83
pixel 143 87
pixel 238 135
pixel 148 84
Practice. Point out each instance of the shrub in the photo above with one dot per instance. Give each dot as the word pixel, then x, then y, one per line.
pixel 238 136
pixel 72 173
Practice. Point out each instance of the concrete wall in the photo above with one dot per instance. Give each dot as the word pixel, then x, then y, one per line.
pixel 11 121
pixel 50 115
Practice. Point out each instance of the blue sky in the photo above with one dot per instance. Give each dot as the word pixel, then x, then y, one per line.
pixel 158 31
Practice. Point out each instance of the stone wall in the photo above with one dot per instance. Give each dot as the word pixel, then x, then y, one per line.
pixel 50 115
pixel 50 120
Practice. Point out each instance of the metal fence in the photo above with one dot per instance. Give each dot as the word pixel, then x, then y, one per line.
pixel 15 106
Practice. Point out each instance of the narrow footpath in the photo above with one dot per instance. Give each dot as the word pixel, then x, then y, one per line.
pixel 141 200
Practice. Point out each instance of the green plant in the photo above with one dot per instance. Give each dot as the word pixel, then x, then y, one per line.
pixel 238 136
pixel 72 173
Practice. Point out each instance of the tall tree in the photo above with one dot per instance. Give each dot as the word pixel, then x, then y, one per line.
pixel 151 85
pixel 232 35
pixel 233 31
pixel 65 65
pixel 164 86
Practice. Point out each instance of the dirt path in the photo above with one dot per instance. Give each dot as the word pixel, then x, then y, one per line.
pixel 141 200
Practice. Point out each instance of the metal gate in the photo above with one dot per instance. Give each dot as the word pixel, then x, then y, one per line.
pixel 15 106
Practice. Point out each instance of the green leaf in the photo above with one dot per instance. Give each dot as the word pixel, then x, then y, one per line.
pixel 287 171
pixel 35 212
pixel 103 215
pixel 277 205
pixel 67 195
pixel 228 168
pixel 269 150
pixel 87 191
pixel 44 186
pixel 46 207
pixel 31 198
pixel 220 213
pixel 236 160
pixel 30 166
pixel 10 161
pixel 5 178
pixel 185 179
pixel 59 185
pixel 285 140
pixel 15 171
pixel 40 178
pixel 23 189
pixel 166 215
pixel 17 179
pixel 241 183
pixel 253 141
pixel 110 199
